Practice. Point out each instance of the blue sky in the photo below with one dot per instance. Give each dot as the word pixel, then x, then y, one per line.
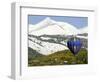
pixel 79 22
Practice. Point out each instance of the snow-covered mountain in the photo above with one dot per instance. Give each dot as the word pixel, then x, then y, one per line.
pixel 51 27
pixel 50 36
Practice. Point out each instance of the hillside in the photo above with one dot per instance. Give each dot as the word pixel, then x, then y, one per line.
pixel 64 57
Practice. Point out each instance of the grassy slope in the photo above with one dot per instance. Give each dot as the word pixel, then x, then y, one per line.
pixel 59 58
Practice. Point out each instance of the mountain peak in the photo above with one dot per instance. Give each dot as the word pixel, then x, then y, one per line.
pixel 44 23
pixel 48 21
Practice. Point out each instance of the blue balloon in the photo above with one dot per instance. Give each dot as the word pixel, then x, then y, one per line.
pixel 74 46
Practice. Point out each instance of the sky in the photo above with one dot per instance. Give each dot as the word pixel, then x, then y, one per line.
pixel 78 22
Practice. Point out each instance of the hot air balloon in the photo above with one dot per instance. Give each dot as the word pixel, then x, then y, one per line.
pixel 74 45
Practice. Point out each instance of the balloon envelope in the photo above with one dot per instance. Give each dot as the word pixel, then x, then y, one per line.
pixel 74 46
